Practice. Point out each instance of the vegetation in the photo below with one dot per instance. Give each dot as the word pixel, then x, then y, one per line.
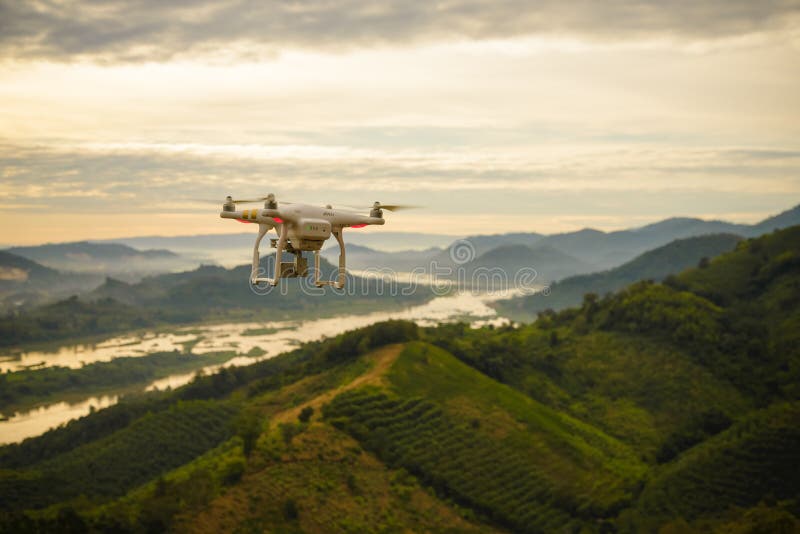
pixel 668 407
pixel 25 388
pixel 111 465
pixel 655 264
pixel 205 294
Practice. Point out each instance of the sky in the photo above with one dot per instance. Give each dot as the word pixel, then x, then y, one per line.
pixel 121 118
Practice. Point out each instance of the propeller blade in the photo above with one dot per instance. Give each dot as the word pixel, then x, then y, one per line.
pixel 397 207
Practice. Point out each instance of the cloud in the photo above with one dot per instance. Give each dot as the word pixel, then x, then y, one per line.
pixel 157 30
pixel 152 178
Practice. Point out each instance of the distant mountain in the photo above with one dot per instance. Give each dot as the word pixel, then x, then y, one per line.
pixel 784 219
pixel 379 239
pixel 206 293
pixel 363 258
pixel 25 283
pixel 548 262
pixel 16 269
pixel 211 289
pixel 605 250
pixel 594 250
pixel 484 243
pixel 107 259
pixel 656 264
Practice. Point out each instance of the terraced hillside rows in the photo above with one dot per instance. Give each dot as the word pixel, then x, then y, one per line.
pixel 755 458
pixel 494 450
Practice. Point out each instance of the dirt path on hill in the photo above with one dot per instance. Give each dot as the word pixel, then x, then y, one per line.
pixel 382 359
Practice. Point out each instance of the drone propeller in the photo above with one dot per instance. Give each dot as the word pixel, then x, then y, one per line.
pixel 393 207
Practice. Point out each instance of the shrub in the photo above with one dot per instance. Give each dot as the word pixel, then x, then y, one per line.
pixel 305 414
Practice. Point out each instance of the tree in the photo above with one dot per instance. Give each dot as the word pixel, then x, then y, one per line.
pixel 305 414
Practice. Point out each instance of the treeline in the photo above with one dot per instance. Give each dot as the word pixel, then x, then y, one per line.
pixel 271 374
pixel 37 385
pixel 110 466
pixel 311 358
pixel 207 293
pixel 75 318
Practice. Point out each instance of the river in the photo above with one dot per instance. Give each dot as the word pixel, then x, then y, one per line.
pixel 271 337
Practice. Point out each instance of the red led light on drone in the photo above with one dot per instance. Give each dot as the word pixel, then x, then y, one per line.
pixel 277 220
pixel 357 225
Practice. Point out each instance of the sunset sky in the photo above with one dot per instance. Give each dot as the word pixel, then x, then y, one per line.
pixel 500 115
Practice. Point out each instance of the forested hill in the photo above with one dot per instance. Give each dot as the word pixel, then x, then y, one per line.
pixel 206 293
pixel 665 407
pixel 655 264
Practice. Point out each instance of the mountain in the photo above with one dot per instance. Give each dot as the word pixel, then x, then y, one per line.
pixel 605 250
pixel 105 259
pixel 365 258
pixel 663 407
pixel 656 264
pixel 16 269
pixel 784 219
pixel 548 262
pixel 206 293
pixel 380 239
pixel 405 251
pixel 25 283
pixel 484 243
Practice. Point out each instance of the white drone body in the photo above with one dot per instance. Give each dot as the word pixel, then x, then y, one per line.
pixel 300 228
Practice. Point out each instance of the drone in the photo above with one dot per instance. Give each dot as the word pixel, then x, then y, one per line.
pixel 300 228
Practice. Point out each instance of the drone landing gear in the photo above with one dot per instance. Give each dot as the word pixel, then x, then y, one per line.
pixel 298 267
pixel 339 283
pixel 282 269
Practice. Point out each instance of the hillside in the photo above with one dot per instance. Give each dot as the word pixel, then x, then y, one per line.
pixel 586 250
pixel 662 406
pixel 656 264
pixel 365 258
pixel 201 245
pixel 14 268
pixel 611 249
pixel 549 263
pixel 104 259
pixel 25 283
pixel 206 293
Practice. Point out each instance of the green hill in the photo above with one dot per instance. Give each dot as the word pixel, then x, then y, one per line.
pixel 737 468
pixel 207 293
pixel 667 407
pixel 656 264
pixel 488 446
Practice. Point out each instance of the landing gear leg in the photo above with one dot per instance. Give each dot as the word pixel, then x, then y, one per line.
pixel 284 233
pixel 342 274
